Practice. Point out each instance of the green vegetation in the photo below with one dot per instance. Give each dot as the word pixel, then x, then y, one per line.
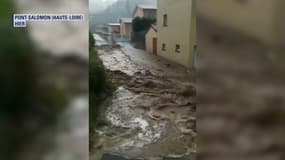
pixel 99 88
pixel 91 42
pixel 140 28
pixel 142 24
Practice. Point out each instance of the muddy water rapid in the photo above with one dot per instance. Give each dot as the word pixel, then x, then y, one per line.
pixel 152 113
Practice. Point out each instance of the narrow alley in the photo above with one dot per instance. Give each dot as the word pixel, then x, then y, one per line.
pixel 153 107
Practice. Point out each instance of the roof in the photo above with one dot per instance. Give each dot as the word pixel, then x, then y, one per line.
pixel 114 24
pixel 126 20
pixel 154 27
pixel 147 7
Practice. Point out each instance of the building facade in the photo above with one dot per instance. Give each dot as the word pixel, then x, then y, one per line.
pixel 145 11
pixel 259 19
pixel 114 28
pixel 176 31
pixel 151 40
pixel 126 27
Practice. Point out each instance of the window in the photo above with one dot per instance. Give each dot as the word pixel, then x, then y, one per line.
pixel 177 48
pixel 165 20
pixel 195 56
pixel 163 47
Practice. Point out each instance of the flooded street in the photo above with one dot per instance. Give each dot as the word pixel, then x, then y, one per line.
pixel 151 115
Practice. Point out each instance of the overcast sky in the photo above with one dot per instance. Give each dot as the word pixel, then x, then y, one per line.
pixel 99 5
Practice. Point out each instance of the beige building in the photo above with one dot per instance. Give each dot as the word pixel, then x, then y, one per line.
pixel 176 31
pixel 151 40
pixel 126 27
pixel 145 11
pixel 260 19
pixel 113 28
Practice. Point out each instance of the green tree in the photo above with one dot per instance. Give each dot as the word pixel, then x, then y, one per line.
pixel 142 24
pixel 99 87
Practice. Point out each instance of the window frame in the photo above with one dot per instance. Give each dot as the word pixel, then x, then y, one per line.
pixel 178 48
pixel 165 20
pixel 163 47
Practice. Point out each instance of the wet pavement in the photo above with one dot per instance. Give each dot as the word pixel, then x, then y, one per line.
pixel 151 115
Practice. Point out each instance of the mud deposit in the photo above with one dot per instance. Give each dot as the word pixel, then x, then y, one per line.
pixel 150 116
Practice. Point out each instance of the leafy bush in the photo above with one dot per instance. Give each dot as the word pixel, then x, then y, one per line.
pixel 99 88
pixel 97 77
pixel 91 42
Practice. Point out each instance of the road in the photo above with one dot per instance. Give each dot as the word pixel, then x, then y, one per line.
pixel 152 113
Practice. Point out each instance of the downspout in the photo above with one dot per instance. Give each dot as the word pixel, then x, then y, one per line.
pixel 193 36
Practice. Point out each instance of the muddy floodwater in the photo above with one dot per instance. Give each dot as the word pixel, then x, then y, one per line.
pixel 151 115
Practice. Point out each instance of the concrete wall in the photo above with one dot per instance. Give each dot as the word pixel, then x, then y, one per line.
pixel 149 40
pixel 126 29
pixel 260 19
pixel 181 30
